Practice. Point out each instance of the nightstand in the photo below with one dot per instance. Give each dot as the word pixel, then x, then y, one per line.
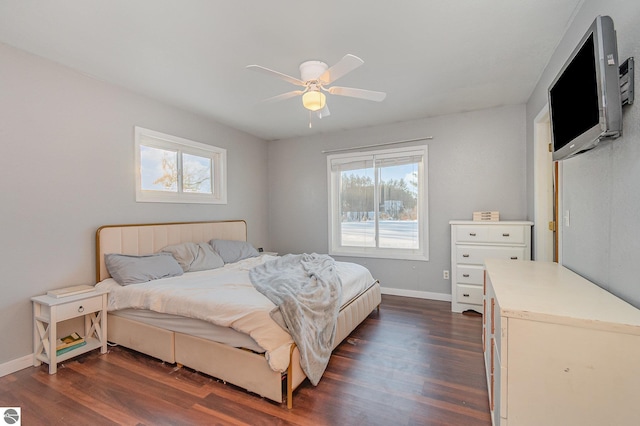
pixel 48 311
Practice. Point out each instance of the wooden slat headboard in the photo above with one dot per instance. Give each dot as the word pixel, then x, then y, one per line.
pixel 148 238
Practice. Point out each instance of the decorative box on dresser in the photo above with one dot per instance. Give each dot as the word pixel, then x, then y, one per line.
pixel 558 349
pixel 474 241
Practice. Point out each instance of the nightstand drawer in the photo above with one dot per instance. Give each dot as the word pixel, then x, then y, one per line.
pixel 79 307
pixel 469 294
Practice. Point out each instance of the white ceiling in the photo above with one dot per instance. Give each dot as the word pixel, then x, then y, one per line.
pixel 430 57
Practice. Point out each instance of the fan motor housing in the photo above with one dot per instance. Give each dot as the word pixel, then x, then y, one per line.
pixel 311 70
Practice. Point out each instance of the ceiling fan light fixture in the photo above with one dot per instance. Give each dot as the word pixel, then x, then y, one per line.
pixel 314 100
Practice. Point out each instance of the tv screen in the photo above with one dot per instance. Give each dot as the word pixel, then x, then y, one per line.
pixel 574 97
pixel 584 99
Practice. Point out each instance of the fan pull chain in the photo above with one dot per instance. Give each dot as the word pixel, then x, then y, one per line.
pixel 310 125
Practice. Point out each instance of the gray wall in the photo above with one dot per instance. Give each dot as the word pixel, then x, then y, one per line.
pixel 67 167
pixel 600 188
pixel 476 162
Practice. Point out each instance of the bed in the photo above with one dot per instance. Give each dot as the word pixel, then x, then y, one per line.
pixel 221 352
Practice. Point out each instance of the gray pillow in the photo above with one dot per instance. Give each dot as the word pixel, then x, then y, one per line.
pixel 233 251
pixel 194 257
pixel 126 269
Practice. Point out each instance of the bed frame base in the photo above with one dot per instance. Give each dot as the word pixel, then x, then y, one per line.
pixel 153 341
pixel 240 367
pixel 237 366
pixel 243 368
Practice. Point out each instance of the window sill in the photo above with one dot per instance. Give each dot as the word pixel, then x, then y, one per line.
pixel 378 255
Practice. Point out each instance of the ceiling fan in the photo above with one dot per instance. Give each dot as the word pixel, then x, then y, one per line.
pixel 315 77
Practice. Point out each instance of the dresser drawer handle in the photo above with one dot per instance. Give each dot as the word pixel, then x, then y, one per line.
pixel 465 294
pixel 465 275
pixel 81 308
pixel 465 255
pixel 514 257
pixel 473 234
pixel 506 234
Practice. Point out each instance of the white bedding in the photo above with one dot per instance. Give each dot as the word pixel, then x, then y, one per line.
pixel 226 297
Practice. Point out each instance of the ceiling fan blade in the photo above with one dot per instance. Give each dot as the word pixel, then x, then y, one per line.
pixel 284 96
pixel 369 95
pixel 271 72
pixel 345 65
pixel 324 112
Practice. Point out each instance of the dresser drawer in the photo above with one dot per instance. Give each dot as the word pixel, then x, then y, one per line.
pixel 472 234
pixel 470 274
pixel 507 234
pixel 469 294
pixel 474 255
pixel 71 310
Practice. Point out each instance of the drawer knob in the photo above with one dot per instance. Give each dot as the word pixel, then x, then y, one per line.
pixel 465 294
pixel 506 234
pixel 81 308
pixel 465 255
pixel 465 275
pixel 473 234
pixel 514 257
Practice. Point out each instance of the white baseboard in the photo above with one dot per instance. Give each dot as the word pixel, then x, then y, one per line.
pixel 417 294
pixel 16 365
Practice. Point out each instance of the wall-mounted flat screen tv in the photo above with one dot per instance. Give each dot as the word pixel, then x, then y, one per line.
pixel 584 99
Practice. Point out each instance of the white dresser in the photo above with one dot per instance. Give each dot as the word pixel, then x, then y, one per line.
pixel 559 350
pixel 472 243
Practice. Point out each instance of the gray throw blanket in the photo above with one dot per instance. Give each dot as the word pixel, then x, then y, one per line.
pixel 307 290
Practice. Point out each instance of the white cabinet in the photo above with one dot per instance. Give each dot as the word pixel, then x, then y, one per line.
pixel 472 243
pixel 559 350
pixel 49 311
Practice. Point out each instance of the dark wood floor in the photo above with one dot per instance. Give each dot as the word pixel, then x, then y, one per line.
pixel 413 363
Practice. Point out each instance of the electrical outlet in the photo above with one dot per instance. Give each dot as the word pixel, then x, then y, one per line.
pixel 445 274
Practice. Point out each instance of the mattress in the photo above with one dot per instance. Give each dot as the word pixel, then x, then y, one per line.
pixel 223 297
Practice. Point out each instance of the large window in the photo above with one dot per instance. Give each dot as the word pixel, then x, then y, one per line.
pixel 378 204
pixel 176 170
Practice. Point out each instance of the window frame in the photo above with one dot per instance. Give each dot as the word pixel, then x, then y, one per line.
pixel 334 187
pixel 217 156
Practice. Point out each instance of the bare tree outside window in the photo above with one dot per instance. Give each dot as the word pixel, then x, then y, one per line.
pixel 169 178
pixel 196 174
pixel 177 170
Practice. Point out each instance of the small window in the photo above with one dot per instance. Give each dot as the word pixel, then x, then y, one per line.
pixel 175 170
pixel 378 204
